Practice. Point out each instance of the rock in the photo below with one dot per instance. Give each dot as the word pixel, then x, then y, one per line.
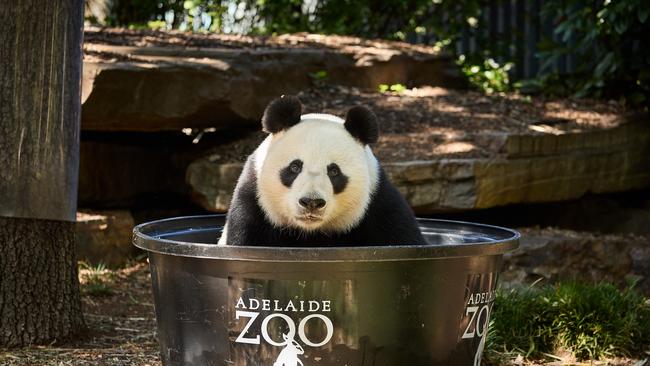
pixel 632 131
pixel 561 177
pixel 617 160
pixel 547 168
pixel 128 88
pixel 436 184
pixel 215 183
pixel 137 97
pixel 553 254
pixel 105 237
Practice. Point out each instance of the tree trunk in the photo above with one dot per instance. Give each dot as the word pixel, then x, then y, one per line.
pixel 39 289
pixel 40 78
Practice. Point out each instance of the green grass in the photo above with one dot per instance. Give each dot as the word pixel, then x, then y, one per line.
pixel 587 321
pixel 319 78
pixel 96 280
pixel 393 88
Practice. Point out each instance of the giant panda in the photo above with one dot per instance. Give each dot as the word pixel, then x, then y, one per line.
pixel 315 182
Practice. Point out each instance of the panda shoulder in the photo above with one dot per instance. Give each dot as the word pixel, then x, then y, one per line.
pixel 387 196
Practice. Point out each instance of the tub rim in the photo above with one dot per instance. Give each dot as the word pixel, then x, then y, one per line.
pixel 149 243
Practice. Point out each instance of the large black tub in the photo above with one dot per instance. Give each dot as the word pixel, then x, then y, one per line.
pixel 391 306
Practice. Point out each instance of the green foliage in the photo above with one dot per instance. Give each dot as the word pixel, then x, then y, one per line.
pixel 279 16
pixel 136 13
pixel 391 19
pixel 156 24
pixel 193 15
pixel 610 45
pixel 203 15
pixel 319 77
pixel 97 280
pixel 591 322
pixel 393 88
pixel 487 75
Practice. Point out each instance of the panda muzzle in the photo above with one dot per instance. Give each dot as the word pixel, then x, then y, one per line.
pixel 312 204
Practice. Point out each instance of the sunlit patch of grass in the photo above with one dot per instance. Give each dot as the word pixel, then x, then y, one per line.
pixel 569 320
pixel 393 88
pixel 96 280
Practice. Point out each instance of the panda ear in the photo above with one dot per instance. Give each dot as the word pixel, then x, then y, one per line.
pixel 361 123
pixel 281 114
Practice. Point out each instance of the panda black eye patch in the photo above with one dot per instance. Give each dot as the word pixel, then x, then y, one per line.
pixel 289 173
pixel 338 179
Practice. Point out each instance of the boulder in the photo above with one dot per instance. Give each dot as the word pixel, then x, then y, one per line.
pixel 134 88
pixel 105 237
pixel 548 168
pixel 216 181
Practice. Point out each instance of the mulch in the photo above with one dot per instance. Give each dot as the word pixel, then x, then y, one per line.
pixel 120 328
pixel 160 38
pixel 432 122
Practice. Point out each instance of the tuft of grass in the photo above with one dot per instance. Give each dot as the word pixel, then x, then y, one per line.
pixel 319 78
pixel 587 321
pixel 157 24
pixel 393 88
pixel 96 280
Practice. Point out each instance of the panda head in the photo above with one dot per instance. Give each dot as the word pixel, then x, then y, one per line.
pixel 316 172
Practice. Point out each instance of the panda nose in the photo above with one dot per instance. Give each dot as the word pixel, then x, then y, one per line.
pixel 312 203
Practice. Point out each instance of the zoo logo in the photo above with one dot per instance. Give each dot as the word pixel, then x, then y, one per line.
pixel 292 349
pixel 479 321
pixel 289 355
pixel 477 311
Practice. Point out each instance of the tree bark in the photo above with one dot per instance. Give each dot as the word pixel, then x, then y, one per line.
pixel 40 105
pixel 39 288
pixel 40 78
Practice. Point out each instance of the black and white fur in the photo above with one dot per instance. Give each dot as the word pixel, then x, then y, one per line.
pixel 315 182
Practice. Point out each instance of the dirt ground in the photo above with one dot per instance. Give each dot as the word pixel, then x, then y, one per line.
pixel 121 327
pixel 433 122
pixel 120 322
pixel 158 38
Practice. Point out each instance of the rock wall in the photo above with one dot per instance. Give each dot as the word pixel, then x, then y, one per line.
pixel 541 168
